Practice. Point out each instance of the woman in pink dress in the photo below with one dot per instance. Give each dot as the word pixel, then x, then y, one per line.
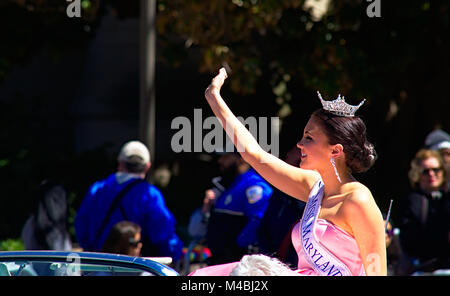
pixel 342 230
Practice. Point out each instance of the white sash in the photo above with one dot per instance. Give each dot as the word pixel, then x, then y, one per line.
pixel 318 256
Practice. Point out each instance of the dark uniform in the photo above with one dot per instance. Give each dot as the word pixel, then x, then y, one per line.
pixel 233 225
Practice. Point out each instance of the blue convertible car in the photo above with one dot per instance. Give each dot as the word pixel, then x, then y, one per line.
pixel 57 263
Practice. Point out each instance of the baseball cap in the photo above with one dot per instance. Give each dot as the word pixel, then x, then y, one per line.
pixel 134 150
pixel 437 139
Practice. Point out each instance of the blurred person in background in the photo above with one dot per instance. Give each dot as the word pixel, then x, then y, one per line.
pixel 126 195
pixel 396 263
pixel 230 219
pixel 440 141
pixel 47 227
pixel 124 238
pixel 425 214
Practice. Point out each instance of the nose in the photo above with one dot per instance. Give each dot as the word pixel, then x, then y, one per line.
pixel 300 144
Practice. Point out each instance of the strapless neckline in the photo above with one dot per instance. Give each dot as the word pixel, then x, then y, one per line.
pixel 336 227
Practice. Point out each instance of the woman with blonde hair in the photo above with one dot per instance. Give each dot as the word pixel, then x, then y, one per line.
pixel 424 214
pixel 427 171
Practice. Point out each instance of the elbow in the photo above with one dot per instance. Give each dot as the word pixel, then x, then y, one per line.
pixel 250 157
pixel 375 264
pixel 247 157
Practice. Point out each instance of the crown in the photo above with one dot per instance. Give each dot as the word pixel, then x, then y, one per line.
pixel 339 106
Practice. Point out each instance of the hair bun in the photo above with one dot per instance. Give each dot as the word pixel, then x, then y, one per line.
pixel 350 132
pixel 368 156
pixel 364 159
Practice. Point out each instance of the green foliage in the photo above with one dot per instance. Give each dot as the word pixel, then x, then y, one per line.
pixel 11 245
pixel 262 41
pixel 231 32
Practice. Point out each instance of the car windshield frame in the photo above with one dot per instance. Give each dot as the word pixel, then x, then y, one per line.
pixel 87 261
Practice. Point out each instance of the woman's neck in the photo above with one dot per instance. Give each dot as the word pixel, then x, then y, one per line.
pixel 332 186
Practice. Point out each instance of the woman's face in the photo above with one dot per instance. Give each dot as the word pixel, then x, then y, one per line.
pixel 432 175
pixel 314 148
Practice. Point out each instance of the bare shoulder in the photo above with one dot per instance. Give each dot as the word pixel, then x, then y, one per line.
pixel 357 192
pixel 359 198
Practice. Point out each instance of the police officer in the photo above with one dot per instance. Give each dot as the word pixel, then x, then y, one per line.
pixel 125 195
pixel 237 211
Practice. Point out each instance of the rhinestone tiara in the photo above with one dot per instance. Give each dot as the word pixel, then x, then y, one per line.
pixel 339 106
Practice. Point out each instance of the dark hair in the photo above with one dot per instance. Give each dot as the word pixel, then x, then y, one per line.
pixel 350 132
pixel 119 237
pixel 51 215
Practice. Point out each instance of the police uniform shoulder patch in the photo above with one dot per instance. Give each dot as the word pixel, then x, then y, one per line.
pixel 254 194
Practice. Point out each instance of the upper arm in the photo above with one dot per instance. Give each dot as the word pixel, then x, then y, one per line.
pixel 365 219
pixel 293 181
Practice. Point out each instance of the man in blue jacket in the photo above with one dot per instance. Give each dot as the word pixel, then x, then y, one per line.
pixel 234 220
pixel 125 195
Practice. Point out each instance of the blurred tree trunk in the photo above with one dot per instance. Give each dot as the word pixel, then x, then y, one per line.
pixel 147 118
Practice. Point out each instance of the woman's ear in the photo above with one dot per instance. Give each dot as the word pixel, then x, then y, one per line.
pixel 337 151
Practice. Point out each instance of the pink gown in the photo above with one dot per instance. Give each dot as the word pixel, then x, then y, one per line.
pixel 339 242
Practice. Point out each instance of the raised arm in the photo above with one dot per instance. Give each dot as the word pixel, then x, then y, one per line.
pixel 294 181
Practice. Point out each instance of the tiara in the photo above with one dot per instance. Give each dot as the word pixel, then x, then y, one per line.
pixel 339 106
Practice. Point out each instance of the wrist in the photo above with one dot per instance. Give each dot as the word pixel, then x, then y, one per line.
pixel 212 93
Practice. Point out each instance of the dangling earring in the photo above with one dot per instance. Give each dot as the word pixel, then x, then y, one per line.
pixel 335 169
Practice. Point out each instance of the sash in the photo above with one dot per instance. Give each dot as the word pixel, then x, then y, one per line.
pixel 318 256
